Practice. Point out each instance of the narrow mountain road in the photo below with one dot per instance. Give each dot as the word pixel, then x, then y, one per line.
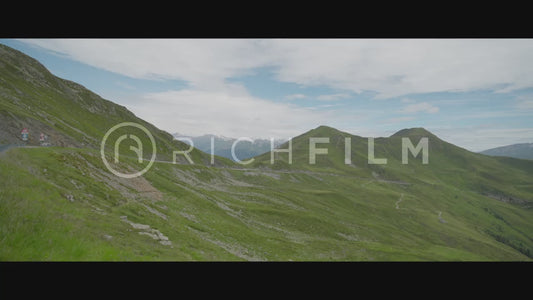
pixel 288 172
pixel 4 148
pixel 398 202
pixel 282 171
pixel 379 179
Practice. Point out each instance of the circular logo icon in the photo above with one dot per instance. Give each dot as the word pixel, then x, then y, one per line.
pixel 139 151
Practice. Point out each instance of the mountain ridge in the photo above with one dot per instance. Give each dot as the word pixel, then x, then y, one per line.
pixel 522 151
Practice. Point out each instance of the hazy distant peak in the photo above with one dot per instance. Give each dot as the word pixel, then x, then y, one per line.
pixel 523 151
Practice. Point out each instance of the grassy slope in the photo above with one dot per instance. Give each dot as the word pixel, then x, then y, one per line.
pixel 455 179
pixel 229 214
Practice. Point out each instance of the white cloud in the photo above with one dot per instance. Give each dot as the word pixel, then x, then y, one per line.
pixel 322 106
pixel 390 67
pixel 399 67
pixel 201 62
pixel 420 107
pixel 295 96
pixel 333 97
pixel 231 112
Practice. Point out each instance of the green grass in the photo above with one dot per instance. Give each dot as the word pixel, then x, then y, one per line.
pixel 267 219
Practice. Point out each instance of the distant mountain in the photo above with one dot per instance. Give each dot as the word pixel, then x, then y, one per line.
pixel 523 151
pixel 222 145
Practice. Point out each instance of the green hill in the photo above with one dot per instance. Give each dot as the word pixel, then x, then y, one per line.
pixel 447 163
pixel 62 203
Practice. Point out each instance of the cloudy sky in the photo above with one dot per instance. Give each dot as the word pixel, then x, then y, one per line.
pixel 477 94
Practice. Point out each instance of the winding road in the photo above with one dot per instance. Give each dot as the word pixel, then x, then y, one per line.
pixel 4 148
